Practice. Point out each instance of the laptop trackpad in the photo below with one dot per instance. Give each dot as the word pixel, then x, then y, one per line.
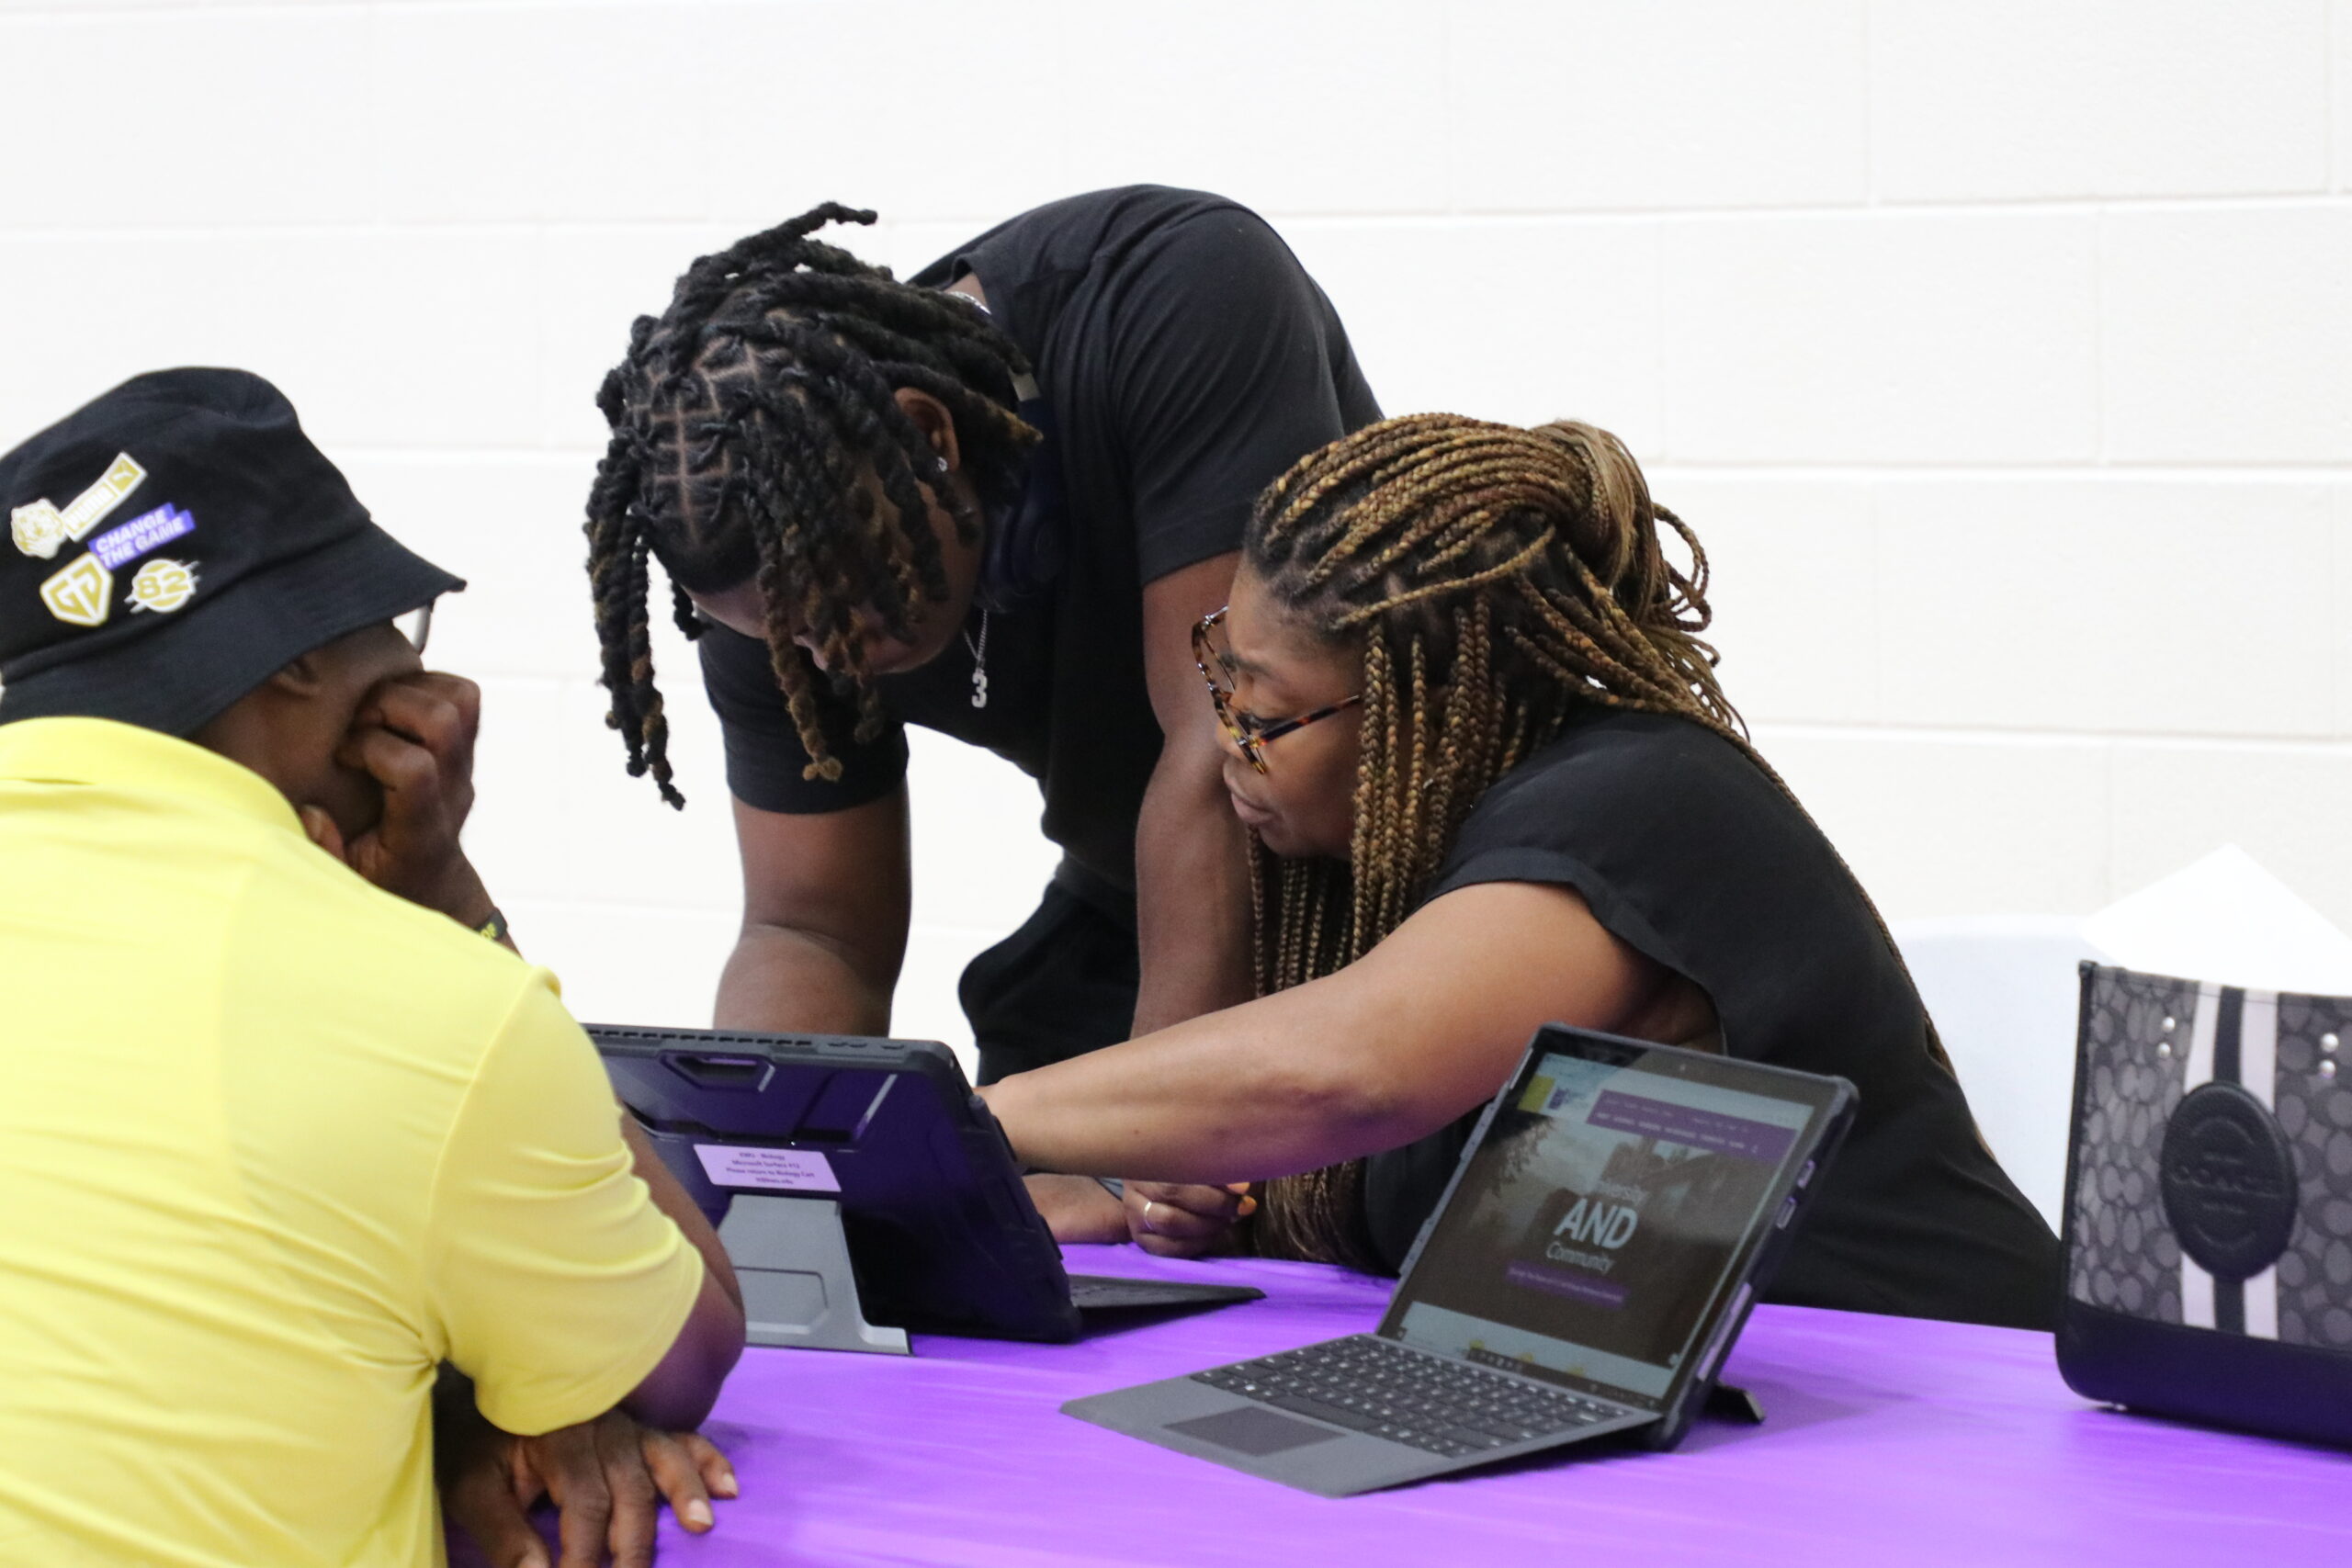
pixel 1253 1430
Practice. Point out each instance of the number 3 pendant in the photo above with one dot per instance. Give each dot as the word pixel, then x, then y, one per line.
pixel 979 688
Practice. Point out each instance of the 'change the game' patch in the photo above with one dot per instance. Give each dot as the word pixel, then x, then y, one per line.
pixel 118 546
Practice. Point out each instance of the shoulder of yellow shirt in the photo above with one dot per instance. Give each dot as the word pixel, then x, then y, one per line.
pixel 400 930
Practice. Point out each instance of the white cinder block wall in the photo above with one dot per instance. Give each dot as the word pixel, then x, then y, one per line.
pixel 2000 352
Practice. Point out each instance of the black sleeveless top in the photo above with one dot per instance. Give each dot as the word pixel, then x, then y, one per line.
pixel 1690 854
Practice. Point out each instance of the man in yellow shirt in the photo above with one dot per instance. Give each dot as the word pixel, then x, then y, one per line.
pixel 277 1140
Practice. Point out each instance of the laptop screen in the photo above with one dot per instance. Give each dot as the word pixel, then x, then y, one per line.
pixel 1600 1218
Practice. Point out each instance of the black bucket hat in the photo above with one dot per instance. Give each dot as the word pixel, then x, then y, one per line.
pixel 173 543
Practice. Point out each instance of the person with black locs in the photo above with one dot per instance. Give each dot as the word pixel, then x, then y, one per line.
pixel 991 500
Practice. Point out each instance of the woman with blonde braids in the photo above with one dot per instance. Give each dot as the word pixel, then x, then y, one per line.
pixel 1493 782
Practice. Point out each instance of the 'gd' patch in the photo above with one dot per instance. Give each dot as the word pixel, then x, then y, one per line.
pixel 162 586
pixel 41 529
pixel 80 594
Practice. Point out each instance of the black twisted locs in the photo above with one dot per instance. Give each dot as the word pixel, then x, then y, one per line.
pixel 751 424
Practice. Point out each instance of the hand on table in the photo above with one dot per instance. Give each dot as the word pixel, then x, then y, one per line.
pixel 414 736
pixel 1178 1220
pixel 607 1478
pixel 1077 1208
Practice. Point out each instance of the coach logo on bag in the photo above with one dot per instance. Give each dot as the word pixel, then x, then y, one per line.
pixel 2227 1177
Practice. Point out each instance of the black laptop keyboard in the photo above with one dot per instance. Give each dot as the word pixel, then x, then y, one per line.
pixel 1390 1390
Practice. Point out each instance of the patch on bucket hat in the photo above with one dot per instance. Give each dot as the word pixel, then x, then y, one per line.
pixel 41 529
pixel 80 594
pixel 163 586
pixel 126 542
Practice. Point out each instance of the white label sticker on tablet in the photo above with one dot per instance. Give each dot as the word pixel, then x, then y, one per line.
pixel 786 1170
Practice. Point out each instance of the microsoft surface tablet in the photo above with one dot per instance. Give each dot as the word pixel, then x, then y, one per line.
pixel 1604 1236
pixel 941 1233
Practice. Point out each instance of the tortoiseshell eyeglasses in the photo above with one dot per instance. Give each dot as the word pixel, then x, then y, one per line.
pixel 1247 731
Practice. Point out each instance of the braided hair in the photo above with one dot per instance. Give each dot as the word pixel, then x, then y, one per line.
pixel 757 436
pixel 1495 581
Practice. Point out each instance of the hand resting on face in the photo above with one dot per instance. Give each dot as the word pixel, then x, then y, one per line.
pixel 413 734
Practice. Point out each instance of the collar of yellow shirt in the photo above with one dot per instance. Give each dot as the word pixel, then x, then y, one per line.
pixel 132 761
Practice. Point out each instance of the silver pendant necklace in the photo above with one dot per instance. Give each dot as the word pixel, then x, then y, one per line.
pixel 979 662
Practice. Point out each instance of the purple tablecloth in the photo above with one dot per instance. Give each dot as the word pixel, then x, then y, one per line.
pixel 1888 1441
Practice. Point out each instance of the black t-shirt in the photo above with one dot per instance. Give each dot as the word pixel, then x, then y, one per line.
pixel 1688 853
pixel 1187 360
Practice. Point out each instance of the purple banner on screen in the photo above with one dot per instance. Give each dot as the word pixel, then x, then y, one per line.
pixel 1577 1287
pixel 1686 1125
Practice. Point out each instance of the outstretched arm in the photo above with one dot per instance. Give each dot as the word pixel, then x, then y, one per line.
pixel 1391 1048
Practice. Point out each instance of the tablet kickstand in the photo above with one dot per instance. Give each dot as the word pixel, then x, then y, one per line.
pixel 1725 1403
pixel 793 1263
